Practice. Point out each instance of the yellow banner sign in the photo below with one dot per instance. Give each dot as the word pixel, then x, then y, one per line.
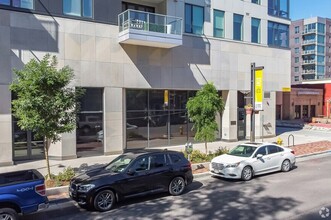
pixel 258 90
pixel 166 97
pixel 286 89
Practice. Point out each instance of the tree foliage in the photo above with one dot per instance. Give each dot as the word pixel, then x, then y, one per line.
pixel 202 111
pixel 45 102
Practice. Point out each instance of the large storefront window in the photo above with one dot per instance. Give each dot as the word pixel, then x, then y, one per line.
pixel 157 118
pixel 89 131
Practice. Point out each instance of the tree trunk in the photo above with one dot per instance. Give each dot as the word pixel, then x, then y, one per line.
pixel 47 143
pixel 206 149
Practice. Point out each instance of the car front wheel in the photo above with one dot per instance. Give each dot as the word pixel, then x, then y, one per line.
pixel 247 173
pixel 8 214
pixel 104 200
pixel 286 165
pixel 177 186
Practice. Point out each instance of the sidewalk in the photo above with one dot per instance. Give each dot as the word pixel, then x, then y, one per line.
pixel 301 137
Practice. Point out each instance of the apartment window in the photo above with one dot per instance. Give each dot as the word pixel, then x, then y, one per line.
pixel 237 27
pixel 296 59
pixel 296 29
pixel 194 19
pixel 320 49
pixel 296 40
pixel 27 4
pixel 296 78
pixel 320 39
pixel 218 23
pixel 256 30
pixel 296 69
pixel 81 8
pixel 278 34
pixel 127 5
pixel 279 8
pixel 320 69
pixel 321 28
pixel 296 50
pixel 256 1
pixel 4 2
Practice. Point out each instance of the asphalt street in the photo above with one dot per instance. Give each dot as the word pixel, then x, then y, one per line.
pixel 299 194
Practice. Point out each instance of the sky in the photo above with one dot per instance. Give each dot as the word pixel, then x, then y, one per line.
pixel 309 8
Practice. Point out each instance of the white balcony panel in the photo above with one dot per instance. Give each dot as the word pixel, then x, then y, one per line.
pixel 151 39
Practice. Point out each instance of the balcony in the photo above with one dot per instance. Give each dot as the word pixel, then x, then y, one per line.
pixel 307 62
pixel 309 31
pixel 149 29
pixel 308 52
pixel 307 42
pixel 308 72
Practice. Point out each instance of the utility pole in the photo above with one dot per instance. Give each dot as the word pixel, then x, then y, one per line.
pixel 252 130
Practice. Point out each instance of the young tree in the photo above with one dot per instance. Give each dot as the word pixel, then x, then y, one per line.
pixel 45 103
pixel 202 111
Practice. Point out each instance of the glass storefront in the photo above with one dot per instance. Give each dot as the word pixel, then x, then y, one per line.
pixel 89 132
pixel 157 118
pixel 26 145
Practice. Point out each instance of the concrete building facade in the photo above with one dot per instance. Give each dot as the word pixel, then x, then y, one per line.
pixel 140 61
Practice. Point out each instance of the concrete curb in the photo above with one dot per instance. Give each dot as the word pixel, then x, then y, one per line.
pixel 313 154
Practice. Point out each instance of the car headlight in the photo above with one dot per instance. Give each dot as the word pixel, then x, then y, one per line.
pixel 232 165
pixel 85 188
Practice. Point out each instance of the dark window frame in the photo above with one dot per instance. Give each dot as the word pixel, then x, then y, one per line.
pixel 126 4
pixel 81 10
pixel 11 4
pixel 192 16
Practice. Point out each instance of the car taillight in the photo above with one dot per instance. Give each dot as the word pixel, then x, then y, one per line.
pixel 292 151
pixel 40 189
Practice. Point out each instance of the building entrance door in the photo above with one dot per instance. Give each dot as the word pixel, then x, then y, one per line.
pixel 241 124
pixel 26 145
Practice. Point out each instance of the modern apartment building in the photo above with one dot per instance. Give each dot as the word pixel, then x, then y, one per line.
pixel 311 49
pixel 311 65
pixel 140 61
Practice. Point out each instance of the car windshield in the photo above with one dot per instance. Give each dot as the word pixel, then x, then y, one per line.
pixel 119 164
pixel 242 151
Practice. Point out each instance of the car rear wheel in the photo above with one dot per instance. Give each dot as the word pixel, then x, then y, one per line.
pixel 286 165
pixel 8 214
pixel 104 200
pixel 247 173
pixel 177 186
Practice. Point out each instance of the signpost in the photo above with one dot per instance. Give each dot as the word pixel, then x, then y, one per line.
pixel 257 95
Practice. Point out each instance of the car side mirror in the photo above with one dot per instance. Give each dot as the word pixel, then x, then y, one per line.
pixel 130 172
pixel 259 156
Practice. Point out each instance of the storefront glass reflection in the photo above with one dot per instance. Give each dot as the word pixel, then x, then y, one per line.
pixel 157 118
pixel 89 131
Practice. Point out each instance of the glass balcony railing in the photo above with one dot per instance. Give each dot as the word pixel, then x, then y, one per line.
pixel 150 22
pixel 311 41
pixel 309 52
pixel 309 31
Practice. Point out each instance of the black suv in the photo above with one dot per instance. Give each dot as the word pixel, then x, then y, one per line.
pixel 129 175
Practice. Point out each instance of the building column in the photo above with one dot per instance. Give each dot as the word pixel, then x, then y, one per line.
pixel 265 121
pixel 114 120
pixel 6 142
pixel 229 117
pixel 65 149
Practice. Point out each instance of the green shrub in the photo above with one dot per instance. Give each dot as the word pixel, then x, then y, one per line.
pixel 63 177
pixel 199 157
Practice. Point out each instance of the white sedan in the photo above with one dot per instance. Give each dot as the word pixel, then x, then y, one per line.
pixel 249 159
